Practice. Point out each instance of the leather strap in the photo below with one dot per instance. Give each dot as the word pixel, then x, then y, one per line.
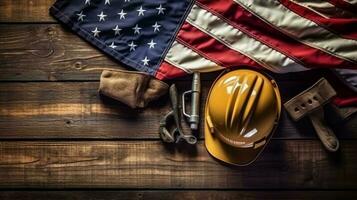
pixel 326 135
pixel 310 102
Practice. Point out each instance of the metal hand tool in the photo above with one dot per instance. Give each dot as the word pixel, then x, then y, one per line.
pixel 194 117
pixel 176 134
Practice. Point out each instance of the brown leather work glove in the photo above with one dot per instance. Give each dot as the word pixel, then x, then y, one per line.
pixel 135 89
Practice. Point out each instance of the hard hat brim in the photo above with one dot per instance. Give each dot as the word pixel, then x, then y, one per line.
pixel 230 154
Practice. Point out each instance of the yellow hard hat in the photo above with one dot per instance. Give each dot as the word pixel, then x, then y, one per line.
pixel 242 112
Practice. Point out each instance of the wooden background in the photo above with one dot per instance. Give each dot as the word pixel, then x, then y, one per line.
pixel 60 140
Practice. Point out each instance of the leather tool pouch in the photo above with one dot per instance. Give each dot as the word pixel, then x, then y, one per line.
pixel 311 102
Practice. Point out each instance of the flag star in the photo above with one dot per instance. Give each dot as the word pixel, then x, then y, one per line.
pixel 96 32
pixel 145 61
pixel 80 16
pixel 156 27
pixel 141 11
pixel 112 45
pixel 102 16
pixel 160 9
pixel 116 30
pixel 87 2
pixel 151 44
pixel 107 2
pixel 126 0
pixel 122 14
pixel 132 46
pixel 137 29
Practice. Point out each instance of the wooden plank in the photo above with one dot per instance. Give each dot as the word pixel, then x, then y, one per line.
pixel 70 110
pixel 285 164
pixel 25 11
pixel 48 52
pixel 75 110
pixel 176 195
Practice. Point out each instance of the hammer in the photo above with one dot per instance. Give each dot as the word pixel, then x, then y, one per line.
pixel 310 103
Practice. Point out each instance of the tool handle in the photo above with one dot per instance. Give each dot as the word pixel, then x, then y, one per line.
pixel 184 103
pixel 194 117
pixel 195 101
pixel 326 135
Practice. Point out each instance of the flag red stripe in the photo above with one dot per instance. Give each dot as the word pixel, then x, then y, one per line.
pixel 251 25
pixel 211 49
pixel 347 101
pixel 344 27
pixel 344 5
pixel 168 71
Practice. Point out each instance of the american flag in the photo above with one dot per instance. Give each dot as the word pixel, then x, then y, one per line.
pixel 172 38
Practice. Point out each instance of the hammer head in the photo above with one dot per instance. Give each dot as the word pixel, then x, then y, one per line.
pixel 310 100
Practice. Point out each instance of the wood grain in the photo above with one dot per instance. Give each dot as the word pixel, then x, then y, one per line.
pixel 285 164
pixel 176 195
pixel 48 52
pixel 25 11
pixel 76 110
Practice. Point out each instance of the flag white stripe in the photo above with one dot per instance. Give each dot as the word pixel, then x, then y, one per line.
pixel 328 9
pixel 186 59
pixel 301 28
pixel 351 1
pixel 238 41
